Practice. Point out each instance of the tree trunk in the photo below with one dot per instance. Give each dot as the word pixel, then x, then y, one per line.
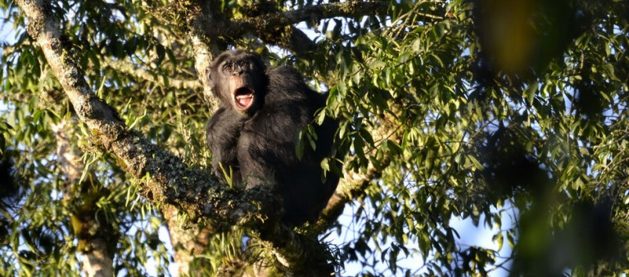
pixel 97 259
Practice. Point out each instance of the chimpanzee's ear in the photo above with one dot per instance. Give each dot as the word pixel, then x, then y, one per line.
pixel 210 81
pixel 212 70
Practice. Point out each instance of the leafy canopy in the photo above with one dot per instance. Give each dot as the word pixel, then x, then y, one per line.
pixel 512 114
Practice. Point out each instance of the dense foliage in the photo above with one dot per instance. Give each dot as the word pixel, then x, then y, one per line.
pixel 513 114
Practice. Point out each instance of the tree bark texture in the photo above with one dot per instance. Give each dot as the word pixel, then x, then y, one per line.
pixel 94 245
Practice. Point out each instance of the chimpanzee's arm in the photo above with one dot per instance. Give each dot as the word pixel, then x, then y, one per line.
pixel 223 131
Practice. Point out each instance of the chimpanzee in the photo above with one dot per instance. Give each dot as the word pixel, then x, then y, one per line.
pixel 253 135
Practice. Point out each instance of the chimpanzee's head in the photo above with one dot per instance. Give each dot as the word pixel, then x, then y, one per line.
pixel 239 80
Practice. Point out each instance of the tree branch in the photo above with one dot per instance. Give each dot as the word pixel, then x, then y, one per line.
pixel 316 13
pixel 276 28
pixel 94 235
pixel 130 69
pixel 352 186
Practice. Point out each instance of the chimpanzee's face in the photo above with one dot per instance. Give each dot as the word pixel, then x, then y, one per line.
pixel 239 80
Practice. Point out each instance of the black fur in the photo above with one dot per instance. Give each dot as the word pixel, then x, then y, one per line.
pixel 259 143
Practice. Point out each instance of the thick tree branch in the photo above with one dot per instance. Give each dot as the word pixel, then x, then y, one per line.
pixel 169 180
pixel 351 187
pixel 202 60
pixel 316 13
pixel 268 25
pixel 354 184
pixel 94 235
pixel 299 43
pixel 190 240
pixel 276 28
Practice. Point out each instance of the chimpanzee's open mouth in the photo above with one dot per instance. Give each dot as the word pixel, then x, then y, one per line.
pixel 243 98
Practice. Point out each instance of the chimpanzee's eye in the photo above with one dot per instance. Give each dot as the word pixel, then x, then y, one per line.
pixel 227 66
